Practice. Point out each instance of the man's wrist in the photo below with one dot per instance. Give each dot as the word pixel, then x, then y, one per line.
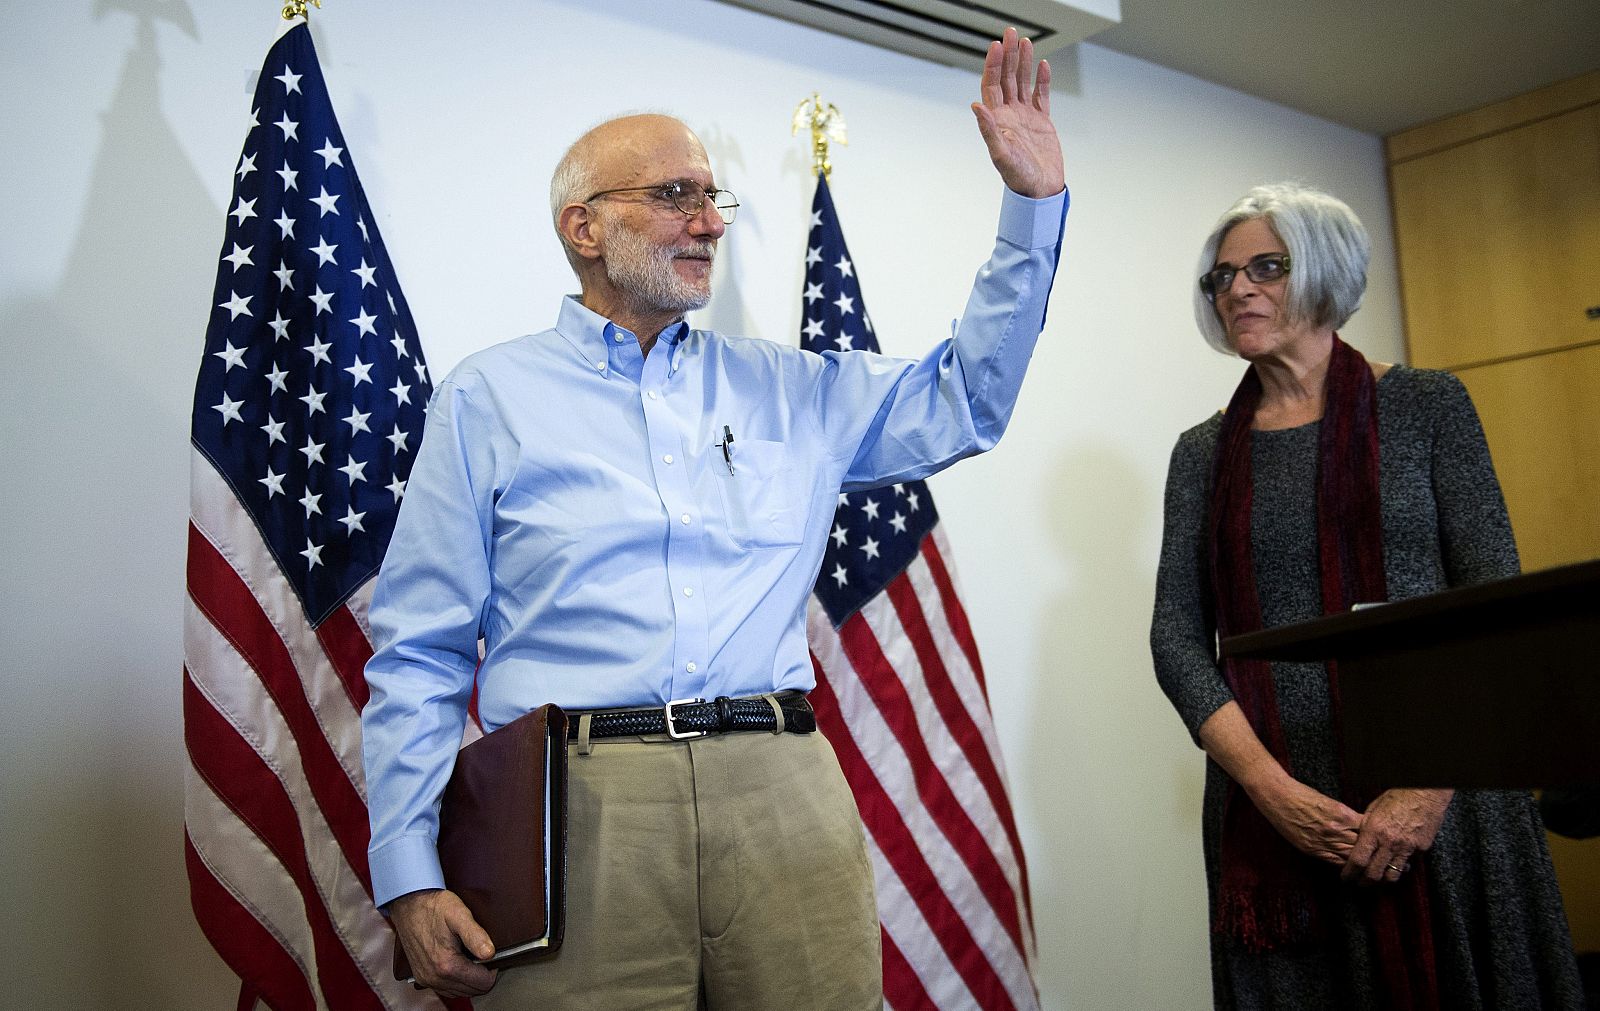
pixel 1032 223
pixel 406 864
pixel 402 902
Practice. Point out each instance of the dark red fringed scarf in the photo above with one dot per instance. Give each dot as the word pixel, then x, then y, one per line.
pixel 1271 895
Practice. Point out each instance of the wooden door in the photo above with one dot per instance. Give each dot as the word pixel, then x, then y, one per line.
pixel 1499 242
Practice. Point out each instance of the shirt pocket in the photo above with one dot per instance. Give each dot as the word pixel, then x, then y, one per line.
pixel 764 498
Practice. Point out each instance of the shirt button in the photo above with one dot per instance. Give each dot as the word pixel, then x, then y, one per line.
pixel 691 666
pixel 600 365
pixel 684 517
pixel 617 337
pixel 651 394
pixel 667 458
pixel 688 591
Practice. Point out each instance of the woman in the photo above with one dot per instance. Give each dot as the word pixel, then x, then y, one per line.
pixel 1330 481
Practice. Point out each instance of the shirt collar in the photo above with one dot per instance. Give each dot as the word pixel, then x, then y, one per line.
pixel 592 334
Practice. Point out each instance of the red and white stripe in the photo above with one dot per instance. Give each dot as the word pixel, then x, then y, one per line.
pixel 901 695
pixel 275 813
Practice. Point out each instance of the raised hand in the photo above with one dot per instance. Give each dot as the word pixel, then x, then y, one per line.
pixel 1014 118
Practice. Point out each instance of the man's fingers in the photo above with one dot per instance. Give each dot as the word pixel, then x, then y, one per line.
pixel 989 87
pixel 473 937
pixel 1024 69
pixel 1008 65
pixel 1007 69
pixel 456 975
pixel 464 974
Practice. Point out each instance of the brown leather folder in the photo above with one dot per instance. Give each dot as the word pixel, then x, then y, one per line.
pixel 503 837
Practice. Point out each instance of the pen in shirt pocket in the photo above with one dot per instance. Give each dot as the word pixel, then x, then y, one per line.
pixel 726 445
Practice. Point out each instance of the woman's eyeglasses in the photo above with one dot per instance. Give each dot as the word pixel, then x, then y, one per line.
pixel 1260 269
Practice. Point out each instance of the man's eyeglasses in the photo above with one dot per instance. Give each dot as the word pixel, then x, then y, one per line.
pixel 1260 269
pixel 688 197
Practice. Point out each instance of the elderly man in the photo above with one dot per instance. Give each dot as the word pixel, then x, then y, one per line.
pixel 629 512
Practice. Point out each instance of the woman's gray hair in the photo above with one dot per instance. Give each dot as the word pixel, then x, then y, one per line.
pixel 1328 250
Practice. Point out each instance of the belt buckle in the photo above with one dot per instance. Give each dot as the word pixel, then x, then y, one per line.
pixel 672 731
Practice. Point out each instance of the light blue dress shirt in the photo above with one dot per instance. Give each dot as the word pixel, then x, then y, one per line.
pixel 570 505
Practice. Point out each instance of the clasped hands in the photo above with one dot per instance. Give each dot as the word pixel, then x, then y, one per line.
pixel 1368 847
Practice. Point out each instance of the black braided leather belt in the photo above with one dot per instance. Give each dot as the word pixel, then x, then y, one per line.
pixel 685 719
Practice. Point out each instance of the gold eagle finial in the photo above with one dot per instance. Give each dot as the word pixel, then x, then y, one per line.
pixel 827 124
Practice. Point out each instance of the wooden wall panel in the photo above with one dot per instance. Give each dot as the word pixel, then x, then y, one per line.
pixel 1499 242
pixel 1542 419
pixel 1563 96
pixel 1577 863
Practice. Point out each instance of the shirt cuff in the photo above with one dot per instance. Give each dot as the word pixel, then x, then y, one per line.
pixel 409 864
pixel 1030 223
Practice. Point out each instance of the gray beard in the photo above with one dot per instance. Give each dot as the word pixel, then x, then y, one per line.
pixel 644 271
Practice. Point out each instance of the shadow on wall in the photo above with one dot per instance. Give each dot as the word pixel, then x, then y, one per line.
pixel 728 312
pixel 98 375
pixel 1116 787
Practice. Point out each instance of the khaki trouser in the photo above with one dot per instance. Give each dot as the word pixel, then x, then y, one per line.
pixel 733 863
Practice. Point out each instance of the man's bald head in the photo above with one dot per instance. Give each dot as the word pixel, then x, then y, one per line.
pixel 619 152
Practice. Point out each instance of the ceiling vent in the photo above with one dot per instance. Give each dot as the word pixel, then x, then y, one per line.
pixel 955 32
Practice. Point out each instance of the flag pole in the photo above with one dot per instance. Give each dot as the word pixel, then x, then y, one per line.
pixel 826 123
pixel 901 697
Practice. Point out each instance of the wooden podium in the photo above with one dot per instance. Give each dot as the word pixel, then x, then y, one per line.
pixel 1493 685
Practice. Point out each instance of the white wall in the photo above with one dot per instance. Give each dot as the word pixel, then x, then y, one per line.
pixel 122 122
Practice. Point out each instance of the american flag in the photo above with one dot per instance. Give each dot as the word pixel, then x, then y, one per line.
pixel 901 696
pixel 308 411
